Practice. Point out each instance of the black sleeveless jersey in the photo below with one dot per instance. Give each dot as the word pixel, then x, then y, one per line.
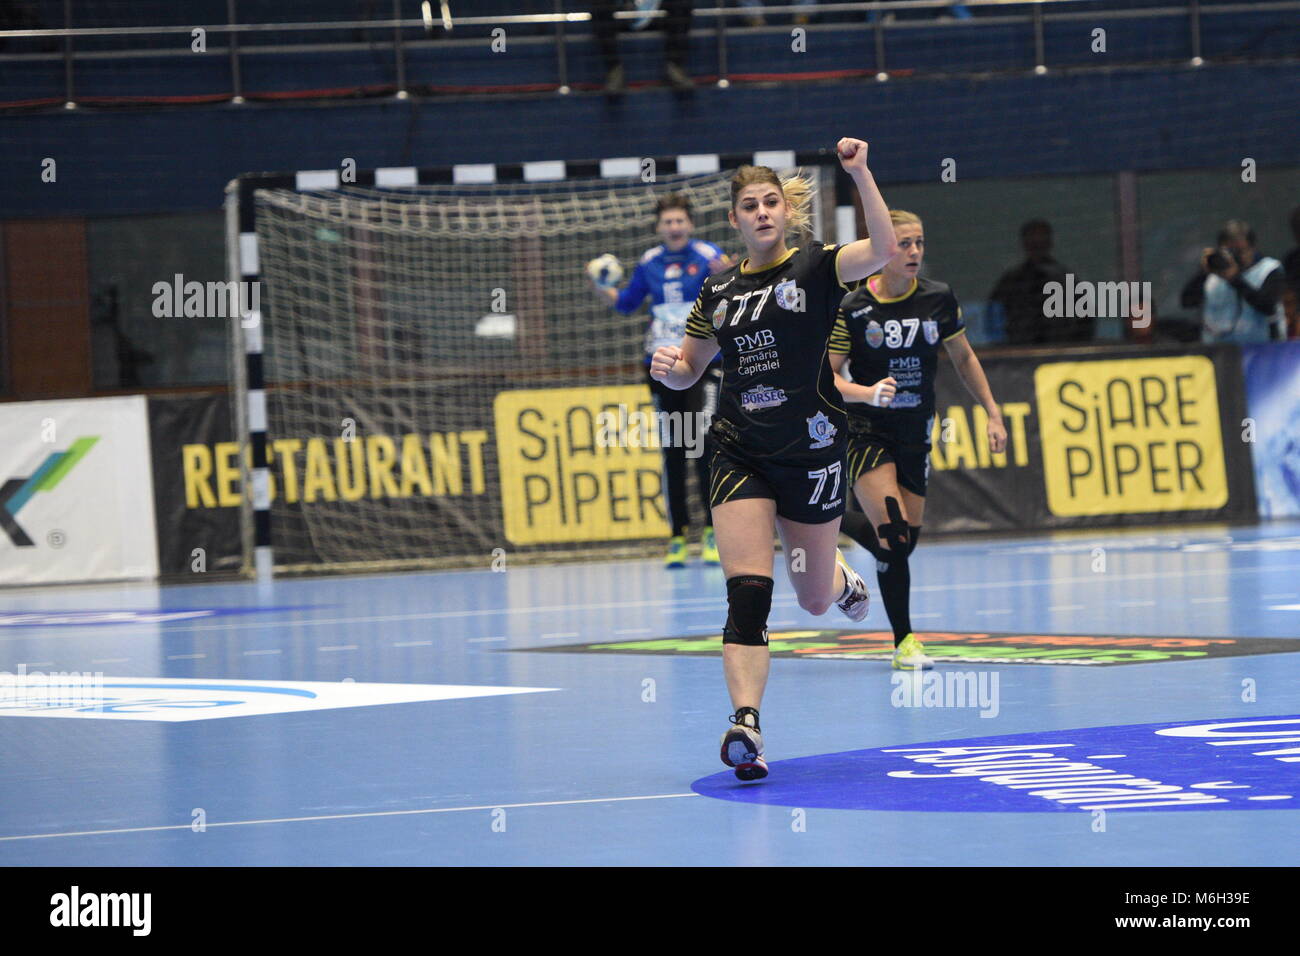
pixel 900 338
pixel 779 400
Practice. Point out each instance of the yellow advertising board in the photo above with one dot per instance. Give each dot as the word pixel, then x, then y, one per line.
pixel 1131 436
pixel 579 464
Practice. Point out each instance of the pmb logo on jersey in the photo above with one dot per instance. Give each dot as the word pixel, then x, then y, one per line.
pixel 875 335
pixel 1223 764
pixel 820 430
pixel 183 699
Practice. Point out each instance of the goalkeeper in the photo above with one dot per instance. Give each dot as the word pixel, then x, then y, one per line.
pixel 671 274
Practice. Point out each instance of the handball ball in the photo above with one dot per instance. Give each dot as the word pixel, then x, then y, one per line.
pixel 605 271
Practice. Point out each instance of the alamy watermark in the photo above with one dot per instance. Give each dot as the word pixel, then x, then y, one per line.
pixel 627 428
pixel 946 689
pixel 34 690
pixel 1080 299
pixel 207 300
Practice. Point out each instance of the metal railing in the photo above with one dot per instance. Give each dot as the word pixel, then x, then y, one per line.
pixel 439 19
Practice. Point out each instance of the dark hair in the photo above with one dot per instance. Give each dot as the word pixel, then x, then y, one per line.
pixel 1034 224
pixel 1234 228
pixel 673 201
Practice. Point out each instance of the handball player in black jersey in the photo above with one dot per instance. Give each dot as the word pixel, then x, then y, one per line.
pixel 780 430
pixel 889 330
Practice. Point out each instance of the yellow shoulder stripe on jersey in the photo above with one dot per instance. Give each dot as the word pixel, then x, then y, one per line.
pixel 898 298
pixel 744 270
pixel 843 285
pixel 961 331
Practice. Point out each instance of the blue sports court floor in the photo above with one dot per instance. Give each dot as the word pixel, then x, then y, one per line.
pixel 601 756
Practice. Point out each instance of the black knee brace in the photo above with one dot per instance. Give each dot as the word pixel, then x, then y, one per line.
pixel 749 599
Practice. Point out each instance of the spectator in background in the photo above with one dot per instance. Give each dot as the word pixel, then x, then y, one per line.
pixel 1019 294
pixel 1238 291
pixel 677 28
pixel 1291 271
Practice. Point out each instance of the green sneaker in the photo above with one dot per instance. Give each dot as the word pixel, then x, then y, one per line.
pixel 676 556
pixel 709 548
pixel 910 656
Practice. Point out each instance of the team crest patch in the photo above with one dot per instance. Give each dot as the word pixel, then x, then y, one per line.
pixel 789 296
pixel 720 314
pixel 931 330
pixel 875 334
pixel 820 430
pixel 673 271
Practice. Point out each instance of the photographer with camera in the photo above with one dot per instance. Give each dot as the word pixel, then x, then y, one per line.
pixel 1239 291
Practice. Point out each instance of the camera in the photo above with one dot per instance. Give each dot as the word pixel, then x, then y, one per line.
pixel 1218 260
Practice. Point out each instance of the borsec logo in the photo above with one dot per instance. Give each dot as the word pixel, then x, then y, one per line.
pixel 1225 764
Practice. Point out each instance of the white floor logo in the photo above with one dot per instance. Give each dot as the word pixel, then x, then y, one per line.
pixel 176 699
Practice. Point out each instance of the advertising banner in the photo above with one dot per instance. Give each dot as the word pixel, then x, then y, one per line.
pixel 1094 440
pixel 76 497
pixel 1272 374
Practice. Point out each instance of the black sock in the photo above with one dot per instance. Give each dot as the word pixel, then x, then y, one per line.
pixel 895 579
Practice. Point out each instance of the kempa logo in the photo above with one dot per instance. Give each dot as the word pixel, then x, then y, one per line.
pixel 75 908
pixel 1216 765
pixel 208 300
pixel 16 492
pixel 1099 300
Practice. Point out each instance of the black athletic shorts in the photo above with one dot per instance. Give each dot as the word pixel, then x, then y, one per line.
pixel 809 493
pixel 872 445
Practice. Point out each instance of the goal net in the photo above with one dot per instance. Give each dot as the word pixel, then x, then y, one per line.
pixel 443 385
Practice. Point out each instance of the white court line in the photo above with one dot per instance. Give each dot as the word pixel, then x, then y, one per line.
pixel 186 657
pixel 559 635
pixel 935 614
pixel 419 643
pixel 153 630
pixel 1066 607
pixel 482 640
pixel 345 816
pixel 337 647
pixel 260 653
pixel 1210 600
pixel 999 610
pixel 1285 607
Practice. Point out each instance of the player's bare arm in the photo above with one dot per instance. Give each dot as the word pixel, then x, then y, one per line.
pixel 880 394
pixel 968 367
pixel 859 259
pixel 680 367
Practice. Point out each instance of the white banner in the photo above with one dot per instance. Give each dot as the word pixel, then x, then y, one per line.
pixel 76 491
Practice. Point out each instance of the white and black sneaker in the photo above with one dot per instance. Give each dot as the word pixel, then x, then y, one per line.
pixel 856 599
pixel 742 746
